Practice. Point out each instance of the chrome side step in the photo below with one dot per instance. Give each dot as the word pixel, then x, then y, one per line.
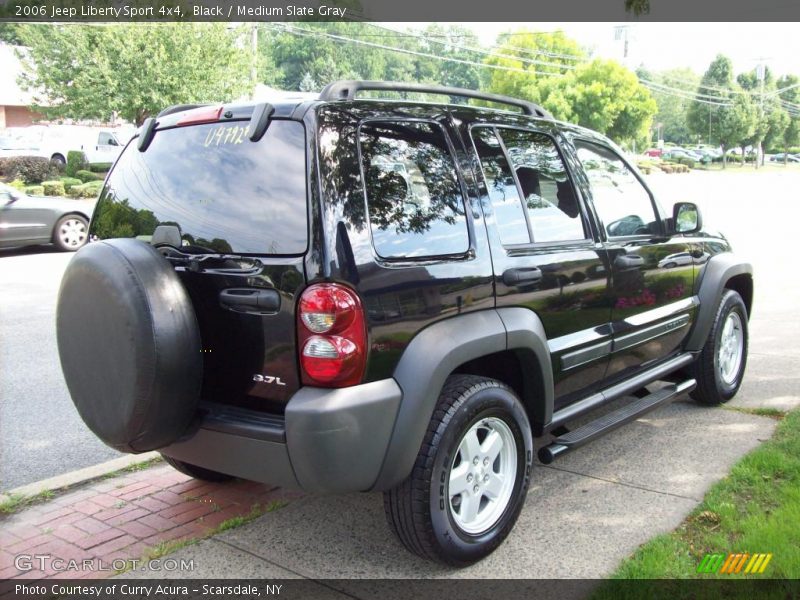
pixel 625 414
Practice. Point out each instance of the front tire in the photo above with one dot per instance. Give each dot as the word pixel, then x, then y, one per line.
pixel 470 478
pixel 719 369
pixel 71 233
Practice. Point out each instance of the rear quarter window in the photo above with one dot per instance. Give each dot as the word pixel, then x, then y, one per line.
pixel 414 199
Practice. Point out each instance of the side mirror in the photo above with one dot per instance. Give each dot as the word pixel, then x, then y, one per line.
pixel 686 218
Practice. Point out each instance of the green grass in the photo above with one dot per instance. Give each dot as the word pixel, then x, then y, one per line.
pixel 756 508
pixel 12 503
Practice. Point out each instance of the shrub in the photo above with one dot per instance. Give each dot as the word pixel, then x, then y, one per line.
pixel 53 188
pixel 31 169
pixel 86 190
pixel 18 183
pixel 34 190
pixel 100 167
pixel 86 176
pixel 76 161
pixel 70 182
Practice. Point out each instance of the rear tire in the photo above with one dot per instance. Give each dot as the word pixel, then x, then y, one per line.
pixel 719 369
pixel 452 509
pixel 195 471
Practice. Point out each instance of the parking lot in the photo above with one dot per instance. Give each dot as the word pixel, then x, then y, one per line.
pixel 583 514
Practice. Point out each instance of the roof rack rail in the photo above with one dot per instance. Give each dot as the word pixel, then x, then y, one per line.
pixel 347 90
pixel 178 108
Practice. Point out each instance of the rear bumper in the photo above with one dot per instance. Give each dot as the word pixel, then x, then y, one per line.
pixel 330 441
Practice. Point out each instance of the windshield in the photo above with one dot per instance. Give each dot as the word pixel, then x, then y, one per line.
pixel 223 192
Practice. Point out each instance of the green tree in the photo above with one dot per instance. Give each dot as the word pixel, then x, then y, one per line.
pixel 704 114
pixel 536 57
pixel 673 108
pixel 87 72
pixel 770 119
pixel 791 135
pixel 605 96
pixel 737 123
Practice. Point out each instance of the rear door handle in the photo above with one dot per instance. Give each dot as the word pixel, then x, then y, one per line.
pixel 250 300
pixel 528 275
pixel 628 261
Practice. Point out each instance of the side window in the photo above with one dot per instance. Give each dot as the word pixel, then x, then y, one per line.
pixel 621 201
pixel 501 187
pixel 413 195
pixel 104 139
pixel 548 194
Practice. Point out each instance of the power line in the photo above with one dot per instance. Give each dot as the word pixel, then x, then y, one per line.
pixel 305 32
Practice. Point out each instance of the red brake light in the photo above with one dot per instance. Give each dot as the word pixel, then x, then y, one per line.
pixel 332 336
pixel 206 114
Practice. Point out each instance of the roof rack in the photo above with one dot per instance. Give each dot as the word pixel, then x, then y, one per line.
pixel 347 90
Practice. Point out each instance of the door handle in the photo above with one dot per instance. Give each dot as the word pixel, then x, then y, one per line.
pixel 628 261
pixel 250 300
pixel 528 275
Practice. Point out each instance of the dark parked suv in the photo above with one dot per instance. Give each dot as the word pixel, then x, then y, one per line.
pixel 380 295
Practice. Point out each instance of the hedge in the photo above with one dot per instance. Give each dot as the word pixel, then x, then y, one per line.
pixel 53 188
pixel 86 176
pixel 100 167
pixel 34 190
pixel 31 169
pixel 76 161
pixel 86 190
pixel 70 182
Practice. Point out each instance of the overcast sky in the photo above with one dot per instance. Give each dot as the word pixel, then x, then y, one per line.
pixel 666 45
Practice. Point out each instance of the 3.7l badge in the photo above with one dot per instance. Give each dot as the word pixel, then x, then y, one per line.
pixel 267 379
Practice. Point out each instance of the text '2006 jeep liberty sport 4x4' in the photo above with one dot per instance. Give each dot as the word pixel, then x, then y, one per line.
pixel 349 294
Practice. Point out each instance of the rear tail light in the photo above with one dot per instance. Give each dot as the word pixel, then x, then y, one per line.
pixel 332 336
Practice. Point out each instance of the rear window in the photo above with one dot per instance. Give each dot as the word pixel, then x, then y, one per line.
pixel 223 192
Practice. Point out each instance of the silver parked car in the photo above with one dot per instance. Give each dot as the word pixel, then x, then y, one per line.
pixel 29 220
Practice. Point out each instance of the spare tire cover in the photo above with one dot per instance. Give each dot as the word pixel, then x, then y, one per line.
pixel 129 345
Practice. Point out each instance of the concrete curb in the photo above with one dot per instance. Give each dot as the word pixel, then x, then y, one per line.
pixel 79 476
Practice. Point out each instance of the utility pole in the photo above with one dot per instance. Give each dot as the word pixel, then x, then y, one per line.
pixel 254 68
pixel 761 74
pixel 621 33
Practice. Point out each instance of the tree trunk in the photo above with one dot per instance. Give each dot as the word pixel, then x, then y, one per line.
pixel 724 157
pixel 744 158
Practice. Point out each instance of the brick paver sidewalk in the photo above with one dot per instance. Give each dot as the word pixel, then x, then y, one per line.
pixel 121 518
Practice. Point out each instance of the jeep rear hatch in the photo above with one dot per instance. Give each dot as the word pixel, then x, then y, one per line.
pixel 231 216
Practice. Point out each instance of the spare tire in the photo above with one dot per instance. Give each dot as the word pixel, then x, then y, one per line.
pixel 129 345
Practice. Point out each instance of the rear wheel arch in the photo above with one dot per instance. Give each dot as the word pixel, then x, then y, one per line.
pixel 519 369
pixel 459 344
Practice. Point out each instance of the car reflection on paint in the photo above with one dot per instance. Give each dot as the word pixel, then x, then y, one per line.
pixel 675 260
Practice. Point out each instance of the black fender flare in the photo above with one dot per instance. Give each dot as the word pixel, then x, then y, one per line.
pixel 433 354
pixel 717 272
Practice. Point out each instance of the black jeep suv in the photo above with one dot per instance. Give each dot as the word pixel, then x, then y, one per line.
pixel 366 294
